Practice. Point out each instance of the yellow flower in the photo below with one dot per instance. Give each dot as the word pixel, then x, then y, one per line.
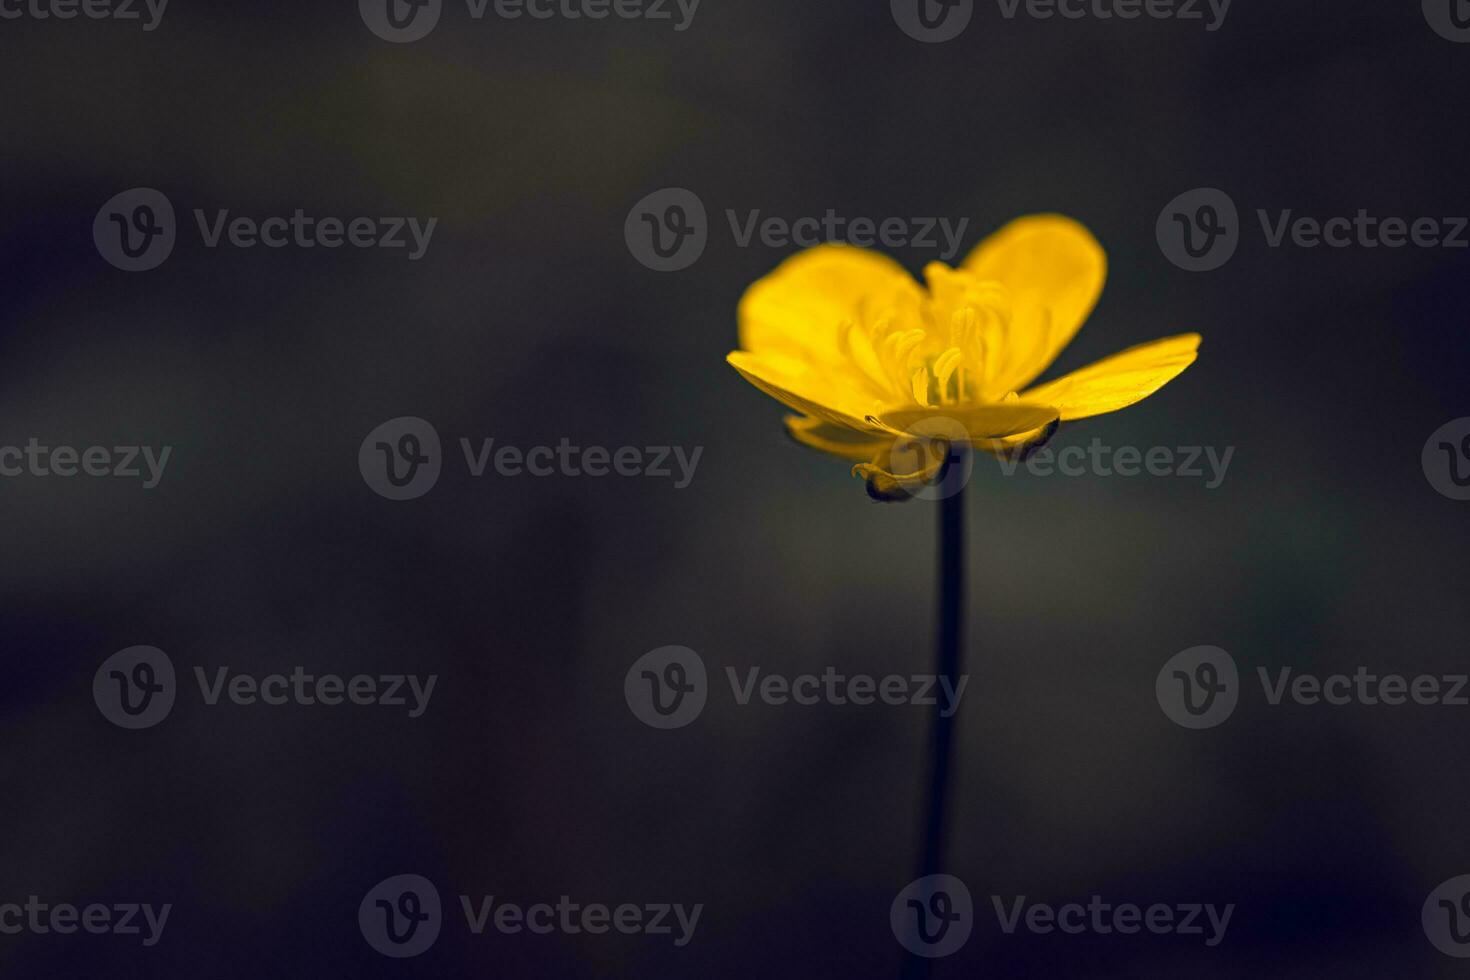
pixel 869 357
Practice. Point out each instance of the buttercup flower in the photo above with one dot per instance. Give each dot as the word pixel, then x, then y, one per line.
pixel 869 357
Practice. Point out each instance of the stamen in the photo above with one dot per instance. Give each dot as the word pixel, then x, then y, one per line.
pixel 948 350
pixel 944 368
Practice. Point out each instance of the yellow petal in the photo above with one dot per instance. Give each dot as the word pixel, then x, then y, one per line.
pixel 993 421
pixel 1118 381
pixel 1054 270
pixel 884 484
pixel 849 444
pixel 903 468
pixel 799 309
pixel 878 459
pixel 798 386
pixel 1020 444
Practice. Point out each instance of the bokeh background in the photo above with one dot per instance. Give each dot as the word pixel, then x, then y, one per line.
pixel 1324 550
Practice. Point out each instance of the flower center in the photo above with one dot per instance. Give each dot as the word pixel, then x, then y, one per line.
pixel 944 348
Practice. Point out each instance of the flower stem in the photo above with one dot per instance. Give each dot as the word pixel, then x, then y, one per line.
pixel 948 640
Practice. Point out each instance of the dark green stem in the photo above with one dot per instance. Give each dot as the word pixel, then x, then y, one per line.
pixel 949 637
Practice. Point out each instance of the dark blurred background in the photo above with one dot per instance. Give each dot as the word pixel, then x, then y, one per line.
pixel 528 320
